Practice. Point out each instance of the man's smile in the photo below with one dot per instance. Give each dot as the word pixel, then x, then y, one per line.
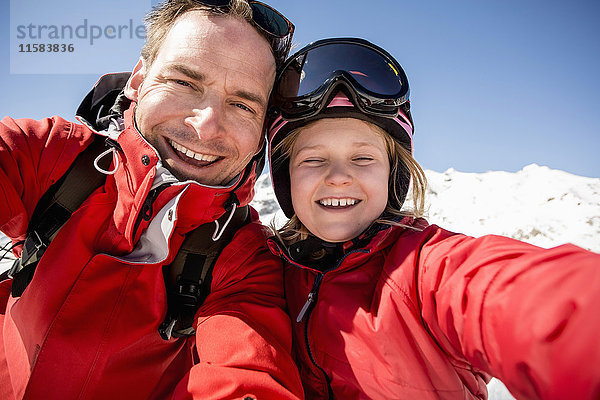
pixel 192 157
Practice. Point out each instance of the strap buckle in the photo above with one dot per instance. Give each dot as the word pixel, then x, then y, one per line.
pixel 33 247
pixel 187 293
pixel 166 328
pixel 16 267
pixel 186 296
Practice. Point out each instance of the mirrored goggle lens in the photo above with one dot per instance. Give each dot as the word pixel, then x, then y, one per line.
pixel 370 69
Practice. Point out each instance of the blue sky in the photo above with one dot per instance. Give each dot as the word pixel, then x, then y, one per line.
pixel 495 85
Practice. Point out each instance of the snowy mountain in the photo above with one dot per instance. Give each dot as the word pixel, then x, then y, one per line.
pixel 538 205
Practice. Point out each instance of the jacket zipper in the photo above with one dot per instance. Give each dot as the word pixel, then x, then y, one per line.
pixel 147 211
pixel 311 298
pixel 308 308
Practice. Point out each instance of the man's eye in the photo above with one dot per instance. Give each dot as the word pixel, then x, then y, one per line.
pixel 182 83
pixel 244 107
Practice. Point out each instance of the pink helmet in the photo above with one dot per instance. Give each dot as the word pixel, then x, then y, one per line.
pixel 340 106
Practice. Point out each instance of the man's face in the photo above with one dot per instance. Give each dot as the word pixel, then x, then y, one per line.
pixel 203 100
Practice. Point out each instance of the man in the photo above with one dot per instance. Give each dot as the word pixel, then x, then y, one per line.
pixel 185 152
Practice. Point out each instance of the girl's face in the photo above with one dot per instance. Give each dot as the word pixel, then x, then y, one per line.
pixel 339 171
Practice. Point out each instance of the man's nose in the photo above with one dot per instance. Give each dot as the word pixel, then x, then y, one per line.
pixel 206 121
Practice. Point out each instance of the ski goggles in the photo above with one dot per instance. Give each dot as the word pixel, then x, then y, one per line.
pixel 264 16
pixel 373 79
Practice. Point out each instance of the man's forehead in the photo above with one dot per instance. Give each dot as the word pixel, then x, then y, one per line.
pixel 237 30
pixel 219 38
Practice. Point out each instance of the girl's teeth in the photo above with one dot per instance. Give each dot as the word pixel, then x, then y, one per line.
pixel 338 202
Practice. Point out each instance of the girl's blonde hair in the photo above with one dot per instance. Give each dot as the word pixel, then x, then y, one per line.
pixel 405 171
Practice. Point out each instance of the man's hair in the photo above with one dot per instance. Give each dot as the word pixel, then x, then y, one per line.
pixel 163 16
pixel 403 167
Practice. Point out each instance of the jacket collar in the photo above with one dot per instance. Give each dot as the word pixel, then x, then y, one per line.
pixel 378 237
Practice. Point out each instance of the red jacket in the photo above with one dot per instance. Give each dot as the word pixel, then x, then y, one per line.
pixel 86 326
pixel 430 314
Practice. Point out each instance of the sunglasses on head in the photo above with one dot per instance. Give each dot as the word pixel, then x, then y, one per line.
pixel 264 16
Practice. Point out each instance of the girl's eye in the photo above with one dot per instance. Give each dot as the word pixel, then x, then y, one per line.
pixel 312 161
pixel 363 159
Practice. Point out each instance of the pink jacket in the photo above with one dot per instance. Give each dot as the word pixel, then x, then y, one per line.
pixel 430 314
pixel 86 326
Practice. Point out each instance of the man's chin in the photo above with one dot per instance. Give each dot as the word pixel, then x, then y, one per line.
pixel 201 175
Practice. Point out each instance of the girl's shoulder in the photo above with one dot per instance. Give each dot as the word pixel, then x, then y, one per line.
pixel 406 245
pixel 409 233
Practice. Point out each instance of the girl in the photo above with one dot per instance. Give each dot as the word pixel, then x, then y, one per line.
pixel 385 305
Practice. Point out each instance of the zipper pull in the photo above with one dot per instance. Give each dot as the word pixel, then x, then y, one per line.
pixel 311 298
pixel 147 206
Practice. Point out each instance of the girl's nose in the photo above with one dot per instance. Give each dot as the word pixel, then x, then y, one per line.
pixel 338 174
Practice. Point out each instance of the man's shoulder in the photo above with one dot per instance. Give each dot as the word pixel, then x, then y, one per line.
pixel 248 239
pixel 50 125
pixel 254 232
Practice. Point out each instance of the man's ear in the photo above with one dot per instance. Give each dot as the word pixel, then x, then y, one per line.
pixel 135 81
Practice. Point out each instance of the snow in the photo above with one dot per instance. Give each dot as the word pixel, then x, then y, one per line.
pixel 539 205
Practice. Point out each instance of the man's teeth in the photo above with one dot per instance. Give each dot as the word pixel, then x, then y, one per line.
pixel 191 154
pixel 338 202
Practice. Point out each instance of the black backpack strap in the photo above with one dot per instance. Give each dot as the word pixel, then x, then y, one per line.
pixel 54 209
pixel 188 278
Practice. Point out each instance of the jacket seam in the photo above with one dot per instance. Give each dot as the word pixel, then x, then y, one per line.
pixel 69 129
pixel 481 313
pixel 407 385
pixel 106 331
pixel 389 281
pixel 264 333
